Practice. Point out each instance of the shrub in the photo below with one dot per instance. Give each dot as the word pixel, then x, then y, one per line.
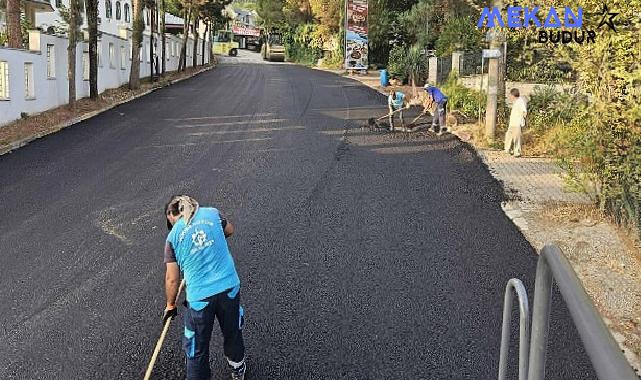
pixel 463 99
pixel 396 65
pixel 548 108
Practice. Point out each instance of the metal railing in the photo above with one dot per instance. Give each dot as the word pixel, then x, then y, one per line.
pixel 524 327
pixel 604 353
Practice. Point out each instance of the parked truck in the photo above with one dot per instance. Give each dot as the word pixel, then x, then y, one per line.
pixel 224 43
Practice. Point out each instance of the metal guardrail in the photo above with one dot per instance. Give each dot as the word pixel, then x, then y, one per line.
pixel 524 327
pixel 604 352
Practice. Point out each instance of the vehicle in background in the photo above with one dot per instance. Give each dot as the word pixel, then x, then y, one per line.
pixel 224 43
pixel 273 48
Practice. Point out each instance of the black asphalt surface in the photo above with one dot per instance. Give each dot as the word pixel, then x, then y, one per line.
pixel 361 256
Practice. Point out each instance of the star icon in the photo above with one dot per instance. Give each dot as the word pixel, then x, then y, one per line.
pixel 607 18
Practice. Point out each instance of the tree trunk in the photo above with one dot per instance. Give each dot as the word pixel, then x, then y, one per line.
pixel 72 34
pixel 14 30
pixel 152 16
pixel 92 22
pixel 164 40
pixel 136 41
pixel 194 52
pixel 182 65
pixel 204 49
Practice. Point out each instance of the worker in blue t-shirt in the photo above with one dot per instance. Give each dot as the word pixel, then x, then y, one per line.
pixel 197 246
pixel 396 103
pixel 435 97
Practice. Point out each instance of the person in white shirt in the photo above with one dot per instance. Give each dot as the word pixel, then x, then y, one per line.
pixel 517 122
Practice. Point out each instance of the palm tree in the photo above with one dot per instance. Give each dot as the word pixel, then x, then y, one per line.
pixel 415 64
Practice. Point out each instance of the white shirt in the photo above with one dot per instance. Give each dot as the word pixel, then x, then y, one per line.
pixel 517 116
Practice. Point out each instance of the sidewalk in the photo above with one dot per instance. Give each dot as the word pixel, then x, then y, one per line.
pixel 606 260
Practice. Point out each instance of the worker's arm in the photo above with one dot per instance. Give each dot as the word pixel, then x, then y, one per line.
pixel 172 283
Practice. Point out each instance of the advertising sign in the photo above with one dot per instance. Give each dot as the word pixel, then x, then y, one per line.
pixel 245 31
pixel 356 49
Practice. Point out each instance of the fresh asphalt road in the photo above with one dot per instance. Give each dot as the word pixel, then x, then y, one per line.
pixel 361 256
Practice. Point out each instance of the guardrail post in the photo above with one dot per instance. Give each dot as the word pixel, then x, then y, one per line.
pixel 524 326
pixel 540 319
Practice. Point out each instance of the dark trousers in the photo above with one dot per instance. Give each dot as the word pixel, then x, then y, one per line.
pixel 439 116
pixel 199 323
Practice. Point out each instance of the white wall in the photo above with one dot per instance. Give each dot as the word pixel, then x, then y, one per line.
pixel 53 92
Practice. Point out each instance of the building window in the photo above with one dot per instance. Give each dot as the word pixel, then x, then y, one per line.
pixel 141 52
pixel 99 54
pixel 51 61
pixel 123 57
pixel 127 13
pixel 112 56
pixel 108 9
pixel 118 11
pixel 58 3
pixel 85 65
pixel 147 18
pixel 4 80
pixel 167 51
pixel 29 90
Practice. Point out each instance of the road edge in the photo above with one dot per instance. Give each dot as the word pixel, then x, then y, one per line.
pixel 76 120
pixel 511 209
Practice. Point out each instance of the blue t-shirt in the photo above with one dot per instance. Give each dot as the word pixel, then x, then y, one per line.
pixel 202 254
pixel 437 95
pixel 398 103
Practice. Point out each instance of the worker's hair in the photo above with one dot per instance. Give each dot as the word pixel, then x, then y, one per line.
pixel 182 205
pixel 515 92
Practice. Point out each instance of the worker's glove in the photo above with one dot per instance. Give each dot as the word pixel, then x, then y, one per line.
pixel 169 314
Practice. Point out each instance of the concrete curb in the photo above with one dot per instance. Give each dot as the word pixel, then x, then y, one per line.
pixel 25 141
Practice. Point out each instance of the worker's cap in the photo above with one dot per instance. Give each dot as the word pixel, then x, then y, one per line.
pixel 427 86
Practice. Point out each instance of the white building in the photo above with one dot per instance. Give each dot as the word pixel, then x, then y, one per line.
pixel 34 79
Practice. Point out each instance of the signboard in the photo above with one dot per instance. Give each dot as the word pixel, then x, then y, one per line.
pixel 491 53
pixel 356 48
pixel 245 31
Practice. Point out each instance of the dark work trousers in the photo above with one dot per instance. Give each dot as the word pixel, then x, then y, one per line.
pixel 439 116
pixel 199 323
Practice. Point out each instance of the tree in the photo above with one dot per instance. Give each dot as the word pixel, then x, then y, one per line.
pixel 458 33
pixel 136 42
pixel 73 19
pixel 194 56
pixel 163 5
pixel 415 65
pixel 14 30
pixel 92 22
pixel 271 12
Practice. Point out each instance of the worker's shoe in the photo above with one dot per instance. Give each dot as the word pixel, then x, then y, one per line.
pixel 238 373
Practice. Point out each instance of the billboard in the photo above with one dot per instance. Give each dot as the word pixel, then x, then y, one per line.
pixel 356 29
pixel 245 31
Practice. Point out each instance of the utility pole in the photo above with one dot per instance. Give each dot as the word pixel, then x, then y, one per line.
pixel 496 81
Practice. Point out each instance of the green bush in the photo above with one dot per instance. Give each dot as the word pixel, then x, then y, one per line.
pixel 300 46
pixel 396 65
pixel 548 108
pixel 459 33
pixel 463 99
